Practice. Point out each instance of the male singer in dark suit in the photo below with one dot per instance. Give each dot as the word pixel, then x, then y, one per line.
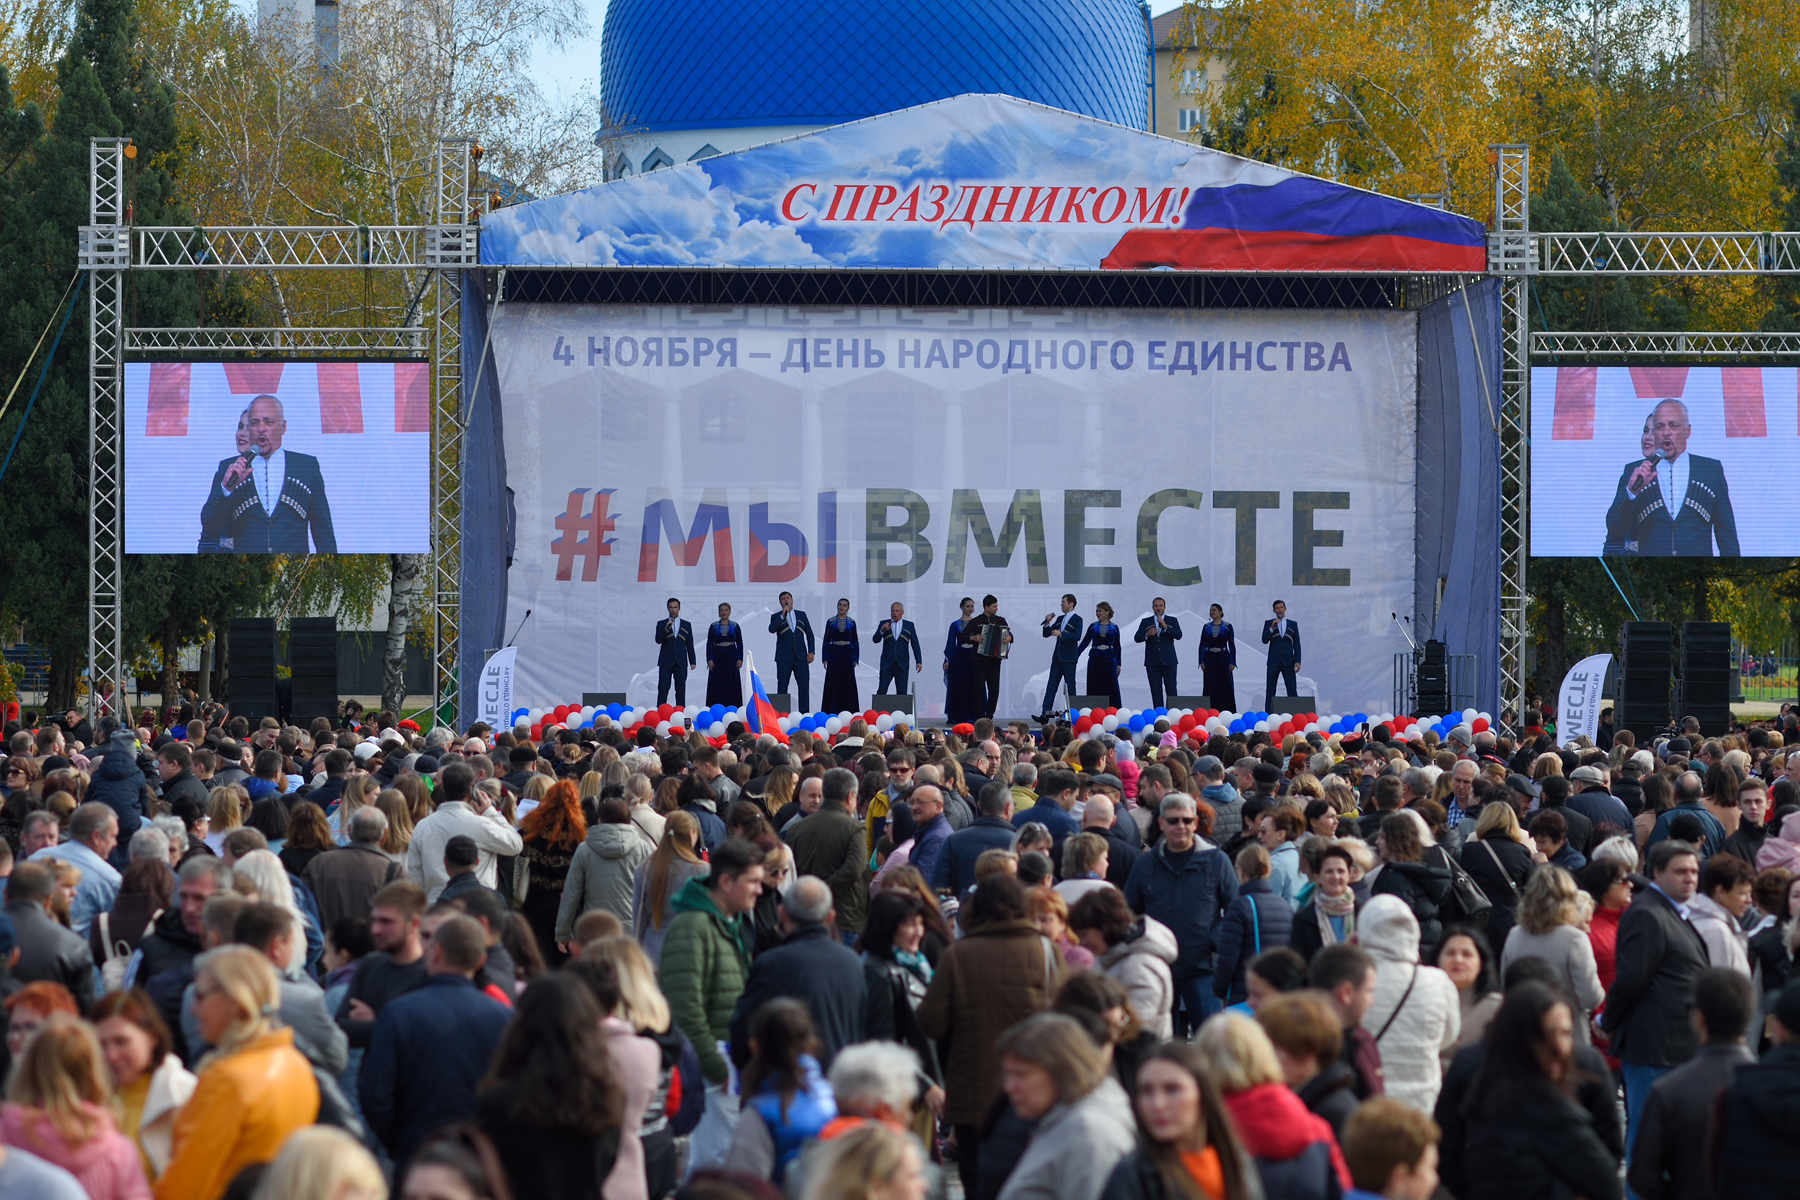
pixel 897 634
pixel 1673 504
pixel 1282 637
pixel 1066 629
pixel 673 661
pixel 1159 634
pixel 793 649
pixel 267 500
pixel 987 666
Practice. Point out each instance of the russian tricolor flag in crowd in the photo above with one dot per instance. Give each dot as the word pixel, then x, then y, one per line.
pixel 759 714
pixel 1304 224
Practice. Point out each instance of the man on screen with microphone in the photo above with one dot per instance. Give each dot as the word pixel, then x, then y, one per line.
pixel 267 500
pixel 1672 504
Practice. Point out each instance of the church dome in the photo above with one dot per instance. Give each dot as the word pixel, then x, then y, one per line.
pixel 670 65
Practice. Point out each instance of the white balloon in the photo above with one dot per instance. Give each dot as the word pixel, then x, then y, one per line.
pixel 782 722
pixel 716 729
pixel 1469 714
pixel 1485 717
pixel 884 722
pixel 833 725
pixel 1109 724
pixel 662 728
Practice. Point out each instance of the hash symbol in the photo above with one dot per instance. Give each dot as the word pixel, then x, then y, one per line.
pixel 590 549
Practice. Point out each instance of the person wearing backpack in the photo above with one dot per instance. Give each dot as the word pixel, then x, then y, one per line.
pixel 1258 919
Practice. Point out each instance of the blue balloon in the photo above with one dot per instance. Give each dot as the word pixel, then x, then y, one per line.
pixel 1238 726
pixel 1136 724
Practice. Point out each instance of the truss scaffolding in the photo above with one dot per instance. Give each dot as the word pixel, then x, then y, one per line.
pixel 431 259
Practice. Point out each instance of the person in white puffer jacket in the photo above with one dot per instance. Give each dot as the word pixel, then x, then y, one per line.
pixel 1135 951
pixel 1415 1015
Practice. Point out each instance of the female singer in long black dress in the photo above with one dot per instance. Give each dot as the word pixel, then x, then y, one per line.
pixel 724 657
pixel 1218 659
pixel 959 670
pixel 1103 663
pixel 841 656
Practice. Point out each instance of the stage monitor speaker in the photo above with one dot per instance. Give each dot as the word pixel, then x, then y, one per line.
pixel 782 702
pixel 602 699
pixel 1706 675
pixel 250 641
pixel 1188 701
pixel 1646 655
pixel 312 660
pixel 1288 705
pixel 1080 702
pixel 900 703
pixel 1431 682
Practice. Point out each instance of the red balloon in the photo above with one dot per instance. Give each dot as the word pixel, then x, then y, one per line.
pixel 1481 725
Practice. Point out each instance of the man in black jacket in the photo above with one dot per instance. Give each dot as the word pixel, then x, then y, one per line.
pixel 1759 1146
pixel 1660 956
pixel 811 967
pixel 119 784
pixel 175 765
pixel 1122 850
pixel 48 953
pixel 1669 1153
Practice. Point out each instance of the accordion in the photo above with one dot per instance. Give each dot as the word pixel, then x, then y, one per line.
pixel 993 642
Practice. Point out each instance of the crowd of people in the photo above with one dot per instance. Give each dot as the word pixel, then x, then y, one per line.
pixel 363 959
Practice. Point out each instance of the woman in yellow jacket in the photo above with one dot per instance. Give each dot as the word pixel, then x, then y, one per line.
pixel 253 1091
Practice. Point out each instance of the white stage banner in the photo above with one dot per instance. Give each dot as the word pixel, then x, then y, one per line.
pixel 924 455
pixel 1578 701
pixel 495 696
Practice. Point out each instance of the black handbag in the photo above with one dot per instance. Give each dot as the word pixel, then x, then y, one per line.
pixel 1466 897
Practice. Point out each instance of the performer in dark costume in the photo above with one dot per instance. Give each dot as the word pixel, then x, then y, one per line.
pixel 724 655
pixel 842 653
pixel 1103 663
pixel 959 670
pixel 1218 659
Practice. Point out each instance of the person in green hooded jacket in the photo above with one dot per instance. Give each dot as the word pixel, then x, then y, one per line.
pixel 705 961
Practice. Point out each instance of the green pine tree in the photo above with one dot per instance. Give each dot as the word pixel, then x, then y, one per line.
pixel 1784 316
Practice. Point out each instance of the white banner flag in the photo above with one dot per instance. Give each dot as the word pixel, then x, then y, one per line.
pixel 1578 702
pixel 496 690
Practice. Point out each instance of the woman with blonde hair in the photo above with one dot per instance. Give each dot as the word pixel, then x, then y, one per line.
pixel 589 789
pixel 253 1090
pixel 668 792
pixel 613 773
pixel 656 881
pixel 59 1108
pixel 871 1162
pixel 1498 859
pixel 361 791
pixel 226 807
pixel 399 813
pixel 322 1163
pixel 1546 765
pixel 1549 927
pixel 649 822
pixel 1295 1151
pixel 783 783
pixel 269 879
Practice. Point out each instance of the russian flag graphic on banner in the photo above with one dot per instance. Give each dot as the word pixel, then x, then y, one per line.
pixel 759 714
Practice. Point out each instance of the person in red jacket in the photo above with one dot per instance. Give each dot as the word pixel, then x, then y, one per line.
pixel 1296 1153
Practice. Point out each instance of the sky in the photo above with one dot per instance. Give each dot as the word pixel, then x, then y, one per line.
pixel 561 73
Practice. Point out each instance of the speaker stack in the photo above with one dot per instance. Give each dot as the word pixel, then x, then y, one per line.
pixel 1645 664
pixel 251 645
pixel 312 656
pixel 1432 684
pixel 1706 675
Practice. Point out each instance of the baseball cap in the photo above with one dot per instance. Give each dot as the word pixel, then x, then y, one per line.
pixel 393 735
pixel 1106 781
pixel 365 751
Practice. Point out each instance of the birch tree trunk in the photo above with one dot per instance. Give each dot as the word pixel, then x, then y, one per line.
pixel 405 600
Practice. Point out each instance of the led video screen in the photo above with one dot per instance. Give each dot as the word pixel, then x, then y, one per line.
pixel 1659 461
pixel 271 457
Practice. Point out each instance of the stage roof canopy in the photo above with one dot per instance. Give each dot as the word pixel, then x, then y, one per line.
pixel 982 183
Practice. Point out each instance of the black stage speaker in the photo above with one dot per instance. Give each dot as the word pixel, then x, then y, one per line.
pixel 251 644
pixel 782 702
pixel 602 699
pixel 1645 664
pixel 312 658
pixel 1187 702
pixel 892 702
pixel 1288 705
pixel 1706 675
pixel 1432 682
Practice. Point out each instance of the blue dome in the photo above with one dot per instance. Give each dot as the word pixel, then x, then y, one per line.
pixel 682 64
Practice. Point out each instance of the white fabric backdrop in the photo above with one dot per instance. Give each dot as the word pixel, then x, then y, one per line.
pixel 1279 403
